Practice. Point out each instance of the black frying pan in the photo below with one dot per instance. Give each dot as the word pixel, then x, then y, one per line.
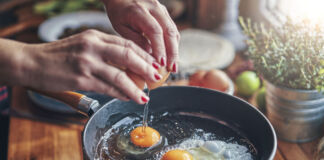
pixel 235 112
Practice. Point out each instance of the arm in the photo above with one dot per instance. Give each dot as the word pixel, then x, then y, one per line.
pixel 78 63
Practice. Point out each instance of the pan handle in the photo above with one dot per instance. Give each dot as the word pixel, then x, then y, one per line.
pixel 80 102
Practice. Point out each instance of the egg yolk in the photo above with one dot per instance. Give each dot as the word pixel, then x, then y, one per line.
pixel 144 137
pixel 177 155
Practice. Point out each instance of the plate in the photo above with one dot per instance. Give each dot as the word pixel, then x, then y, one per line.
pixel 203 50
pixel 52 28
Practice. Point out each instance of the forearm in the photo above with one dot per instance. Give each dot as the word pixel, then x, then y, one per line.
pixel 11 61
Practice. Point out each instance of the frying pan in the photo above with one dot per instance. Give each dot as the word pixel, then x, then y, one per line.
pixel 231 110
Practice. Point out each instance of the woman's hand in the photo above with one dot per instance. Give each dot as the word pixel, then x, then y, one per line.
pixel 80 62
pixel 148 24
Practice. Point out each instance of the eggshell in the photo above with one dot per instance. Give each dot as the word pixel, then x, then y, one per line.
pixel 140 82
pixel 165 75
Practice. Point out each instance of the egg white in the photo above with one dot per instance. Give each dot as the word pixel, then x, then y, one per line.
pixel 212 150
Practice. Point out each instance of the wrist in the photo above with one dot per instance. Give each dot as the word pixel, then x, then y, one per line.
pixel 12 58
pixel 27 64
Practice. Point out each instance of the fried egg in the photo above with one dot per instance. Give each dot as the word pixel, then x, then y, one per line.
pixel 207 150
pixel 177 154
pixel 144 136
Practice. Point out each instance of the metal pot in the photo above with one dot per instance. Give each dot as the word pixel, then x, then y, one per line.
pixel 297 115
pixel 232 111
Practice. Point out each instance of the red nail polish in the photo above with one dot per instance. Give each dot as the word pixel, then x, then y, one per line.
pixel 174 67
pixel 155 65
pixel 162 61
pixel 157 76
pixel 145 99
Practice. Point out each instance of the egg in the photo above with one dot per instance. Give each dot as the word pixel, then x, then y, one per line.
pixel 220 150
pixel 144 137
pixel 177 154
pixel 207 150
pixel 165 75
pixel 196 78
pixel 216 79
pixel 140 82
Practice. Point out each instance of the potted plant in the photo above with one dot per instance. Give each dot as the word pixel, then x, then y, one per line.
pixel 290 58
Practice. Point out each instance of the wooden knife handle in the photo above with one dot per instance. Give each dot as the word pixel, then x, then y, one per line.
pixel 68 97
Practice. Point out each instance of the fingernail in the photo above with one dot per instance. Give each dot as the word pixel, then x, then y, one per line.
pixel 145 99
pixel 156 65
pixel 174 67
pixel 157 76
pixel 162 61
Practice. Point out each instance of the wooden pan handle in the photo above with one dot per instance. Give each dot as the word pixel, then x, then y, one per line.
pixel 80 102
pixel 68 97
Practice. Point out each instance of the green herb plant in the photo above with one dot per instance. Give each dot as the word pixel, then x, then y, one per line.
pixel 54 7
pixel 291 55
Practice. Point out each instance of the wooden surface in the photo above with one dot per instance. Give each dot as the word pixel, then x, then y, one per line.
pixel 35 140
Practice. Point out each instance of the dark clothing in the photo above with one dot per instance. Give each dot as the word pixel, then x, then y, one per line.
pixel 4 122
pixel 4 125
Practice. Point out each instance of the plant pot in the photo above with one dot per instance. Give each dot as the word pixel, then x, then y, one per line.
pixel 296 115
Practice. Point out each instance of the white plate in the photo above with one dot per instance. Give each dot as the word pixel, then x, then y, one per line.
pixel 202 50
pixel 52 28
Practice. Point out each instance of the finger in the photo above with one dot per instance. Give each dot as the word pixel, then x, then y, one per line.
pixel 171 36
pixel 122 82
pixel 136 37
pixel 103 87
pixel 126 57
pixel 152 29
pixel 129 44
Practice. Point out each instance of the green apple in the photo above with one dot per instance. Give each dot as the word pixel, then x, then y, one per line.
pixel 260 99
pixel 247 83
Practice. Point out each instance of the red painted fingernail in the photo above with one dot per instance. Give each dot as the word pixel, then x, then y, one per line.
pixel 157 76
pixel 174 67
pixel 163 61
pixel 145 99
pixel 155 65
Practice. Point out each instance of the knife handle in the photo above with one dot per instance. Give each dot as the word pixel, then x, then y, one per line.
pixel 78 101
